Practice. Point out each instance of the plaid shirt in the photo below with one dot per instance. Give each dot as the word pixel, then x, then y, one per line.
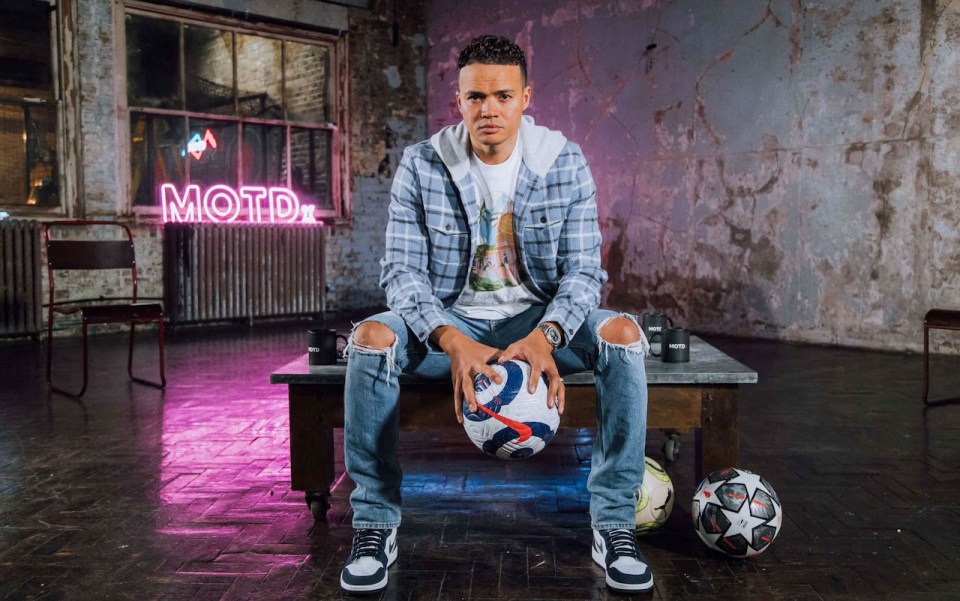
pixel 432 235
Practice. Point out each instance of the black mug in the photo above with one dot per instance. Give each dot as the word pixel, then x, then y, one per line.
pixel 322 346
pixel 674 345
pixel 654 323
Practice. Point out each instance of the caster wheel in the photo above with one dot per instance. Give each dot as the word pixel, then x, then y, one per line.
pixel 319 504
pixel 671 447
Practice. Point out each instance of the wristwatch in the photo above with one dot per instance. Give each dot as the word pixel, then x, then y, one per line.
pixel 552 333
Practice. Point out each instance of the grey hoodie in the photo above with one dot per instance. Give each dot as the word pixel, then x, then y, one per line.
pixel 540 146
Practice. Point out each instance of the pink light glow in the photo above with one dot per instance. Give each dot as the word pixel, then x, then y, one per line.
pixel 182 209
pixel 224 204
pixel 254 196
pixel 284 205
pixel 221 203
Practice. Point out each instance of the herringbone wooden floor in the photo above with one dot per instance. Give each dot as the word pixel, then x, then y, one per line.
pixel 136 494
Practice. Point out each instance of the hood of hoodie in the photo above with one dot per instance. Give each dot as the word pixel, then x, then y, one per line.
pixel 540 147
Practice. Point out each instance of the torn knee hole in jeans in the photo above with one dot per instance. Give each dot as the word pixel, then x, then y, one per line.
pixel 387 352
pixel 641 346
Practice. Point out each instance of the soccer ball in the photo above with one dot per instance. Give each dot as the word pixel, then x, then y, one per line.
pixel 655 497
pixel 737 512
pixel 510 423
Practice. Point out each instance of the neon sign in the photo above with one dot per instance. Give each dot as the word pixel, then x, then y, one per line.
pixel 223 204
pixel 197 145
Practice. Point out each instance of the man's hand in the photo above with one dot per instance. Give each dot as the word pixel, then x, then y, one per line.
pixel 467 359
pixel 535 350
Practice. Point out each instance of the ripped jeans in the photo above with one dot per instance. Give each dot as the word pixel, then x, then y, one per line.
pixel 371 411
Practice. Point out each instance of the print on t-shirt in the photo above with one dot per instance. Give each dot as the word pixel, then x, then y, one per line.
pixel 495 264
pixel 496 288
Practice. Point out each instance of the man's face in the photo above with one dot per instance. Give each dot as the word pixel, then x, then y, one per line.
pixel 492 99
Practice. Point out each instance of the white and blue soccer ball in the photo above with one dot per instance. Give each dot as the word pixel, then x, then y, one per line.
pixel 510 423
pixel 736 512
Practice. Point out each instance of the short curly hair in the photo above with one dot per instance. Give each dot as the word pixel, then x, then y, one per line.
pixel 493 50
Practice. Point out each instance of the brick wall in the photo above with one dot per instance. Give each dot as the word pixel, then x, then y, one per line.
pixel 388 110
pixel 100 192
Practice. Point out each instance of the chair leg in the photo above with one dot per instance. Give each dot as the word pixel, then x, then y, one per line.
pixel 133 326
pixel 163 376
pixel 85 361
pixel 83 387
pixel 49 344
pixel 163 379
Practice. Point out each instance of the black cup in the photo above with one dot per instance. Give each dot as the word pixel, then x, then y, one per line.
pixel 674 345
pixel 654 323
pixel 322 346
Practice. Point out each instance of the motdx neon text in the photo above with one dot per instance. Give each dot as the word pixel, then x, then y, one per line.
pixel 224 204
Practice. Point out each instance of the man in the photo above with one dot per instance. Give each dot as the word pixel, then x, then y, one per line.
pixel 493 253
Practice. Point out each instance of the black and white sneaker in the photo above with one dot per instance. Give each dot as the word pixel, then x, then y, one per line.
pixel 617 553
pixel 373 552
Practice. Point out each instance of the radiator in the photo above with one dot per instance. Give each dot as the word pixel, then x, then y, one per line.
pixel 214 273
pixel 21 307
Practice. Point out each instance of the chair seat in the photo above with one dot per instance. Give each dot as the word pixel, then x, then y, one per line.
pixel 122 313
pixel 942 318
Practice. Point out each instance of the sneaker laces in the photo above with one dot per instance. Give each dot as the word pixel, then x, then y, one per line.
pixel 368 542
pixel 623 543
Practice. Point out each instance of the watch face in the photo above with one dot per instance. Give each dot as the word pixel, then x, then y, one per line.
pixel 553 336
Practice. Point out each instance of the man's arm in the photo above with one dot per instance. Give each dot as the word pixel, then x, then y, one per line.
pixel 410 294
pixel 467 359
pixel 404 266
pixel 578 258
pixel 578 291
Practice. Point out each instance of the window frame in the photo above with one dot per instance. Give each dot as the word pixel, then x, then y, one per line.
pixel 37 98
pixel 336 45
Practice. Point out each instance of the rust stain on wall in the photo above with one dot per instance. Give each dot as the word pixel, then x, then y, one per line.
pixel 765 259
pixel 885 212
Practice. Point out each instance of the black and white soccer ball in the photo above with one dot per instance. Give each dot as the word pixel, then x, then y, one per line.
pixel 736 512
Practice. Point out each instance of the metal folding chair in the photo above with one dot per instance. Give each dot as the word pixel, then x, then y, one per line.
pixel 86 249
pixel 937 319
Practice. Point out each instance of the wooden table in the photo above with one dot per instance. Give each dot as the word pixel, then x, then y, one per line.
pixel 700 395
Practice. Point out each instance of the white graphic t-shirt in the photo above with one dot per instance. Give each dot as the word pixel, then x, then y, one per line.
pixel 495 289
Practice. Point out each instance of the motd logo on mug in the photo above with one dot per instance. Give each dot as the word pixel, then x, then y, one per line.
pixel 322 346
pixel 654 323
pixel 676 345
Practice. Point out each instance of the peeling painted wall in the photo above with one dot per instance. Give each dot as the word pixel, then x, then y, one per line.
pixel 388 104
pixel 779 168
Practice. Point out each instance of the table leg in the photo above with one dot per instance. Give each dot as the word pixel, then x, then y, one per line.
pixel 311 443
pixel 718 439
pixel 926 364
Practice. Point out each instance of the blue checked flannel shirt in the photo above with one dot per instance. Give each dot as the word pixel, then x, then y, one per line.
pixel 432 234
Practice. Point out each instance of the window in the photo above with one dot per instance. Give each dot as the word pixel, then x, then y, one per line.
pixel 29 172
pixel 213 104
